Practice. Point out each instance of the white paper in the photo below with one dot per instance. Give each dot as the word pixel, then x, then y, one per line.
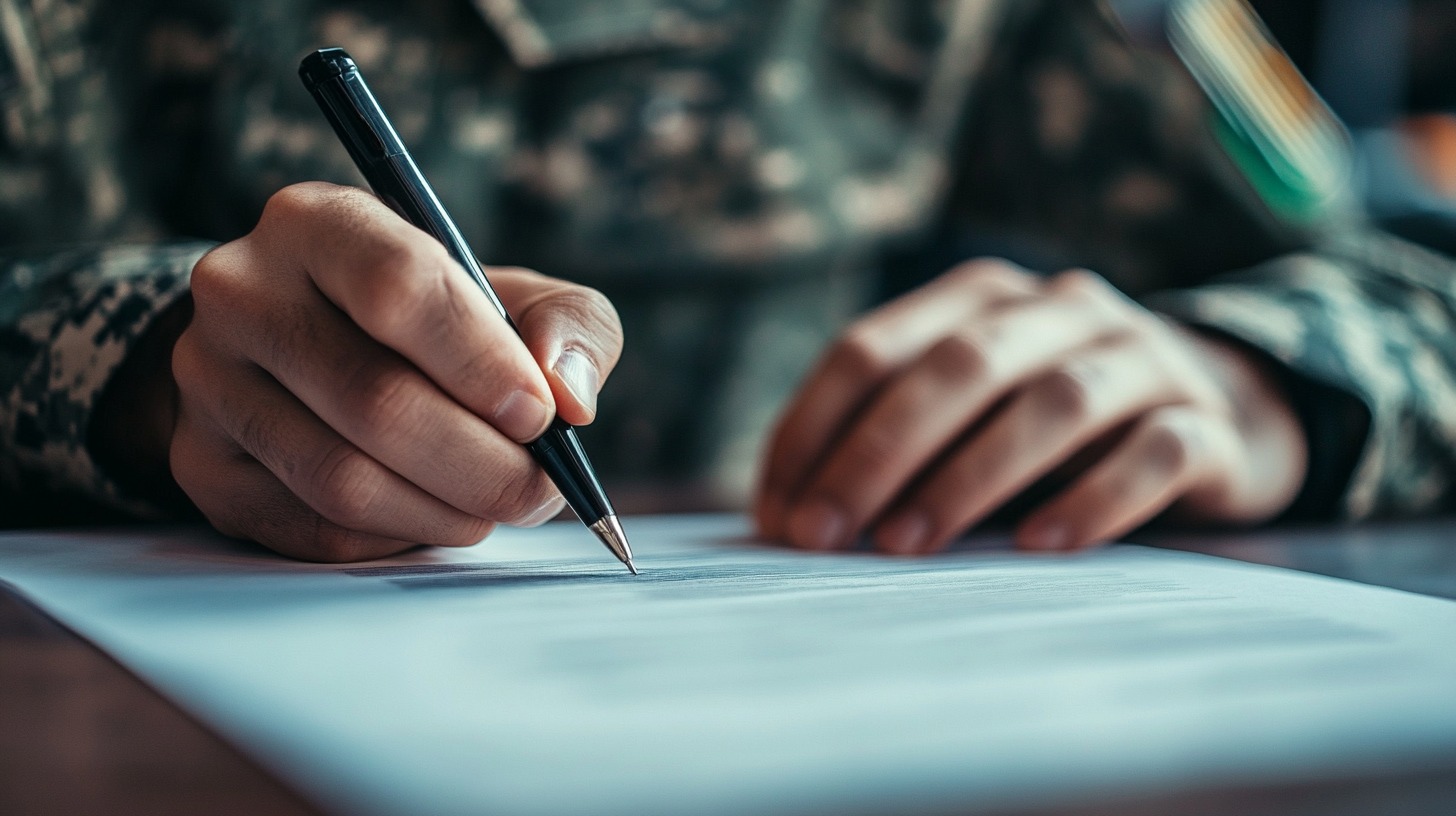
pixel 534 675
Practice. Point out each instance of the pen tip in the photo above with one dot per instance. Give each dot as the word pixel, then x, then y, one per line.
pixel 609 530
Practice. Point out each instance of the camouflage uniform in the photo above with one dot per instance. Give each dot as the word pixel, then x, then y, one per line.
pixel 739 176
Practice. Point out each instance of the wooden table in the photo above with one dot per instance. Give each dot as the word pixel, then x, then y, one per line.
pixel 81 735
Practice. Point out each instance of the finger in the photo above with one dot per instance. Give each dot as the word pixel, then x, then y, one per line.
pixel 550 512
pixel 572 331
pixel 925 409
pixel 1168 453
pixel 330 474
pixel 1041 426
pixel 403 289
pixel 388 409
pixel 242 499
pixel 859 363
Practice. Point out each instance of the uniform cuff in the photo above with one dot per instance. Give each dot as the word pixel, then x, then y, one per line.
pixel 1287 331
pixel 82 336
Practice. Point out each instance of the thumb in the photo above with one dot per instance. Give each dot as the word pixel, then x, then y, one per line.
pixel 572 331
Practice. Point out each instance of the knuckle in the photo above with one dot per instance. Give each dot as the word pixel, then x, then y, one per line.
pixel 398 286
pixel 857 355
pixel 594 315
pixel 1075 282
pixel 287 203
pixel 597 307
pixel 1065 394
pixel 254 433
pixel 961 356
pixel 234 296
pixel 214 260
pixel 215 281
pixel 346 486
pixel 1087 287
pixel 286 332
pixel 1170 444
pixel 993 273
pixel 384 397
pixel 295 201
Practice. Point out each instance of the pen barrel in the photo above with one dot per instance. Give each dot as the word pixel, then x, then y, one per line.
pixel 402 187
pixel 336 84
pixel 365 131
pixel 560 454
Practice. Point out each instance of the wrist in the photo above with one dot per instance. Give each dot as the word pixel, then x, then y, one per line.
pixel 1275 446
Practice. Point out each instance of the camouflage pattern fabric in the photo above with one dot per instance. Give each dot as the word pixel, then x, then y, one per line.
pixel 740 176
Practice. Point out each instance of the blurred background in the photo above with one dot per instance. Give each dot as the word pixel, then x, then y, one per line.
pixel 1388 69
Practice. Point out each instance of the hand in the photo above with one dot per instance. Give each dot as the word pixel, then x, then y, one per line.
pixel 932 412
pixel 345 391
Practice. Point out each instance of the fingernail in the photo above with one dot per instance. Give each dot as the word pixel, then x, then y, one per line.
pixel 544 513
pixel 904 534
pixel 521 416
pixel 580 377
pixel 1050 537
pixel 817 526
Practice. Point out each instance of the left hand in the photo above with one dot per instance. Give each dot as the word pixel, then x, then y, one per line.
pixel 933 411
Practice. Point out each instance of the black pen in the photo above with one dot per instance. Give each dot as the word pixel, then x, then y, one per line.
pixel 334 80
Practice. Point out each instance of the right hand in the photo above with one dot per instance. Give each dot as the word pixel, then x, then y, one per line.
pixel 345 391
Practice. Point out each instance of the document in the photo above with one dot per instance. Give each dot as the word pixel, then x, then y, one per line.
pixel 533 675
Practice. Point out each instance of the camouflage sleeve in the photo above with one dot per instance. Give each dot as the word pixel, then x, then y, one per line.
pixel 1364 329
pixel 67 320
